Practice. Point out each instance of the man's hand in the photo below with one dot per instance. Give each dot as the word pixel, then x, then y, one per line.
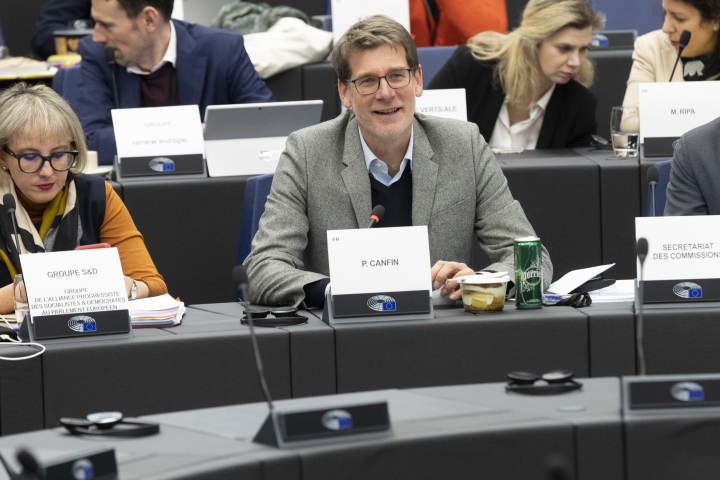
pixel 442 274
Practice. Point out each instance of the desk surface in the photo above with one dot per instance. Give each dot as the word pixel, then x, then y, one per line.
pixel 470 431
pixel 463 432
pixel 208 361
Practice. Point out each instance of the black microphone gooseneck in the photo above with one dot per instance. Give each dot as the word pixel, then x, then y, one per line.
pixel 31 467
pixel 241 280
pixel 642 251
pixel 376 215
pixel 653 176
pixel 110 59
pixel 682 43
pixel 9 202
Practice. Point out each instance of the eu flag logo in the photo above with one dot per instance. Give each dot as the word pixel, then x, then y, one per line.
pixel 695 293
pixel 89 327
pixel 388 306
pixel 696 395
pixel 168 167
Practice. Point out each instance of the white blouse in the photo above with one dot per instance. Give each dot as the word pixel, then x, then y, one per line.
pixel 522 134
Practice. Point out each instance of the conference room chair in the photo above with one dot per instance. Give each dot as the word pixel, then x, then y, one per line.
pixel 432 60
pixel 663 168
pixel 612 69
pixel 257 190
pixel 65 83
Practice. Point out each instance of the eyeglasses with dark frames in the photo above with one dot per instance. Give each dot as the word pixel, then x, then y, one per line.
pixel 371 84
pixel 33 162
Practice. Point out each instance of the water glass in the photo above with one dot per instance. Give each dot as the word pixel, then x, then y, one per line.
pixel 625 131
pixel 22 307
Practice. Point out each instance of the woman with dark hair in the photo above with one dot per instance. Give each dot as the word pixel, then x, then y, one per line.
pixel 656 52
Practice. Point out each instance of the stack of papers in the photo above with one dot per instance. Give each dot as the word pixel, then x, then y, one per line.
pixel 620 291
pixel 162 311
pixel 15 67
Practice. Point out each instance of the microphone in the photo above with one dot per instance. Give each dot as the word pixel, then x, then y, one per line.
pixel 682 43
pixel 652 177
pixel 240 277
pixel 110 59
pixel 642 251
pixel 376 215
pixel 9 202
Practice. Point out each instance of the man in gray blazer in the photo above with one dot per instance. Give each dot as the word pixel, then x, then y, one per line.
pixel 424 170
pixel 693 187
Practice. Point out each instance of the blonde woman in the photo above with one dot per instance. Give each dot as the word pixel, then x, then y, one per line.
pixel 42 152
pixel 529 88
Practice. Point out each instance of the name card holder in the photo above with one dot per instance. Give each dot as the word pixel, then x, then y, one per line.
pixel 77 326
pixel 99 464
pixel 378 307
pixel 670 109
pixel 658 394
pixel 659 147
pixel 683 258
pixel 77 295
pixel 159 142
pixel 682 291
pixel 326 426
pixel 154 168
pixel 379 275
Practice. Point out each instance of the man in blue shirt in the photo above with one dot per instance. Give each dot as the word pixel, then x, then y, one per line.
pixel 160 62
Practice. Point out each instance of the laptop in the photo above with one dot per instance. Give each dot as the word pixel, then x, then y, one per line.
pixel 248 139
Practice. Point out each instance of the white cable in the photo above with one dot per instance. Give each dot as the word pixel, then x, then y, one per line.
pixel 34 345
pixel 13 343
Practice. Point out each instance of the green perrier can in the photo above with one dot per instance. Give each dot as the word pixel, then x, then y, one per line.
pixel 528 272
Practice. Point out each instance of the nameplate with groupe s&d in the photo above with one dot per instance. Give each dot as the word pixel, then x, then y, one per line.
pixel 683 260
pixel 669 110
pixel 75 294
pixel 159 142
pixel 378 274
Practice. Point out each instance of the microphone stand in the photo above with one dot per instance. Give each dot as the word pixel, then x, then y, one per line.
pixel 682 43
pixel 258 361
pixel 639 304
pixel 652 189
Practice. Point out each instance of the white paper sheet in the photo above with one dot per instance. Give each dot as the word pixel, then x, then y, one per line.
pixel 620 291
pixel 571 280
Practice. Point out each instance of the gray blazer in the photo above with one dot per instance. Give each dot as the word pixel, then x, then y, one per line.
pixel 322 183
pixel 693 187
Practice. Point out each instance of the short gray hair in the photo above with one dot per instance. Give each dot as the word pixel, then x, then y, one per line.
pixel 23 107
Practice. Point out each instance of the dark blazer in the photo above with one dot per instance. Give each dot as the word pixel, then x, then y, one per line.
pixel 693 187
pixel 212 66
pixel 569 118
